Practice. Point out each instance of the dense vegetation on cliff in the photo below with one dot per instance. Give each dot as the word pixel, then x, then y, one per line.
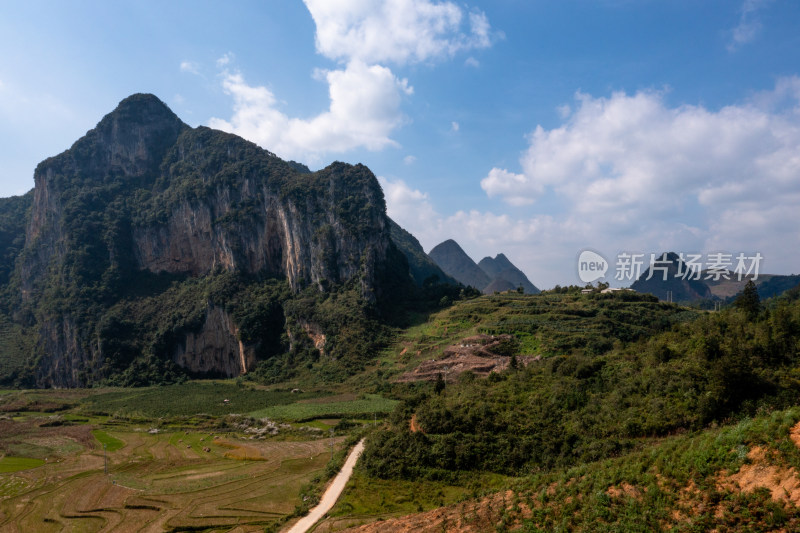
pixel 151 251
pixel 13 215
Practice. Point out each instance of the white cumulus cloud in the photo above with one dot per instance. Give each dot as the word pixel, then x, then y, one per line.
pixel 398 31
pixel 648 175
pixel 501 182
pixel 365 95
pixel 225 60
pixel 364 109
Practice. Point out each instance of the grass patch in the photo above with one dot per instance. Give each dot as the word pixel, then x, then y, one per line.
pixel 15 464
pixel 369 404
pixel 111 444
pixel 371 497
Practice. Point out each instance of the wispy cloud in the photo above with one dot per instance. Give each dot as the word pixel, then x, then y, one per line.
pixel 225 60
pixel 749 24
pixel 190 66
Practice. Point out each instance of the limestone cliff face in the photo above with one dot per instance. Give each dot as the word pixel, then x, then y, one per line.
pixel 66 362
pixel 215 348
pixel 253 224
pixel 144 192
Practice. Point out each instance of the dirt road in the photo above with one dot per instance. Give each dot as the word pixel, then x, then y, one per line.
pixel 331 494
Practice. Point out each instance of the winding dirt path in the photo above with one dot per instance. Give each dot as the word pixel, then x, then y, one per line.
pixel 332 493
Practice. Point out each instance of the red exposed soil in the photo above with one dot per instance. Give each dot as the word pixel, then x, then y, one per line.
pixel 782 482
pixel 414 425
pixel 624 490
pixel 476 354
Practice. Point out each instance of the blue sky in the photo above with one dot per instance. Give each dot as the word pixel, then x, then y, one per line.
pixel 533 128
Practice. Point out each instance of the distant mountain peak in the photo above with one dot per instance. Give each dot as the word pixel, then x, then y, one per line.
pixel 502 269
pixel 421 267
pixel 456 263
pixel 449 243
pixel 489 275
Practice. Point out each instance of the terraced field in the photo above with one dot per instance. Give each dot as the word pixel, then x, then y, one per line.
pixel 165 481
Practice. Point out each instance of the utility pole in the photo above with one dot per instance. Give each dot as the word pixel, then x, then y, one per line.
pixel 105 460
pixel 331 444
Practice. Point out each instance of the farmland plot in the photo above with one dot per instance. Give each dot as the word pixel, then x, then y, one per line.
pixel 169 481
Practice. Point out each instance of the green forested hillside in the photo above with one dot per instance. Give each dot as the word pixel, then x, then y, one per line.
pixel 578 403
pixel 552 323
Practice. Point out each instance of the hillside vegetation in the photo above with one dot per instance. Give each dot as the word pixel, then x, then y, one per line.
pixel 606 383
pixel 552 323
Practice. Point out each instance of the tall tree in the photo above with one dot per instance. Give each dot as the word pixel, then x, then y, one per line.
pixel 749 301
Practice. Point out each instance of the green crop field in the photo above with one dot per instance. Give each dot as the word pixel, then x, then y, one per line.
pixel 206 397
pixel 368 405
pixel 15 464
pixel 111 444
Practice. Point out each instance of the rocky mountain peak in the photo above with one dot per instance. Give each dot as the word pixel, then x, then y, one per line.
pixel 142 108
pixel 132 138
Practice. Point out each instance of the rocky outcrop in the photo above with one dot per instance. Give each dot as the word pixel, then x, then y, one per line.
pixel 305 243
pixel 64 361
pixel 144 192
pixel 315 333
pixel 215 349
